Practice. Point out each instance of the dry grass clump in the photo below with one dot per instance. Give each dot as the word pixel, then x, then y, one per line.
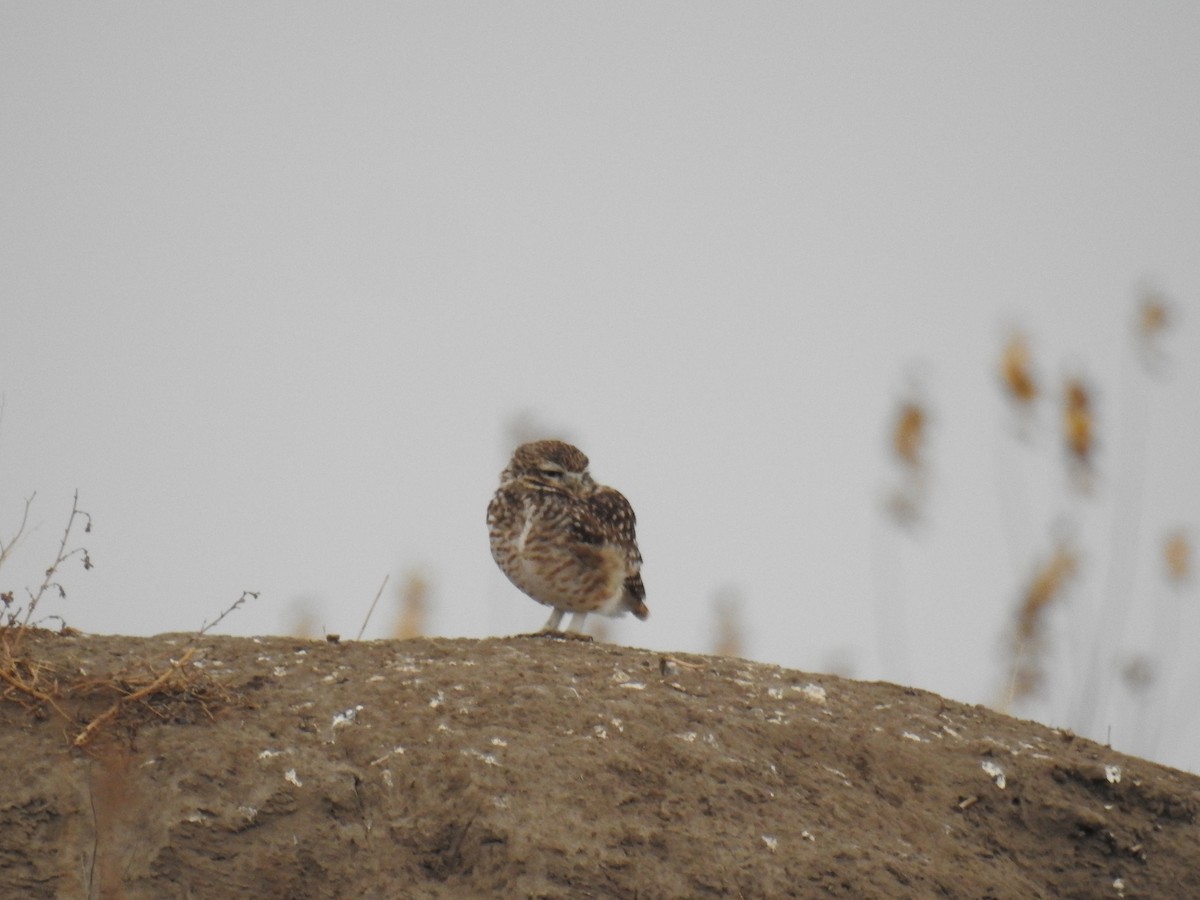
pixel 26 680
pixel 175 689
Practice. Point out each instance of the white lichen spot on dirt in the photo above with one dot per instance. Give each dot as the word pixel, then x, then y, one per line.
pixel 486 758
pixel 634 685
pixel 271 754
pixel 395 751
pixel 1113 774
pixel 840 774
pixel 249 813
pixel 775 692
pixel 995 772
pixel 771 841
pixel 346 717
pixel 499 742
pixel 908 735
pixel 375 678
pixel 291 777
pixel 807 835
pixel 616 723
pixel 1119 886
pixel 600 732
pixel 437 701
pixel 280 671
pixel 812 692
pixel 688 736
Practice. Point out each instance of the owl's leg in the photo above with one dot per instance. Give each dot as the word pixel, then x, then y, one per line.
pixel 575 628
pixel 553 622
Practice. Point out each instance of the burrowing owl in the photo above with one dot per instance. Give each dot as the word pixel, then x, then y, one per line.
pixel 564 540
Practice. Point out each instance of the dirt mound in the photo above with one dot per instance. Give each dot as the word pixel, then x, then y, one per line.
pixel 534 768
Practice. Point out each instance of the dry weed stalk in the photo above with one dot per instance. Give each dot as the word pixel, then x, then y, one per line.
pixel 20 617
pixel 7 548
pixel 246 595
pixel 371 609
pixel 22 676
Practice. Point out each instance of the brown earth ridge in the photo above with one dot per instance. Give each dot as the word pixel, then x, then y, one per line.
pixel 528 767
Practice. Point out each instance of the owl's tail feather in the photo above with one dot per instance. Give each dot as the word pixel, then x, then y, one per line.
pixel 635 596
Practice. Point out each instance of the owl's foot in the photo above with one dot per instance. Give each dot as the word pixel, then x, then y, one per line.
pixel 556 635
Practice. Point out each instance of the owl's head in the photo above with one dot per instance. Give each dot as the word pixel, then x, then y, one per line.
pixel 550 465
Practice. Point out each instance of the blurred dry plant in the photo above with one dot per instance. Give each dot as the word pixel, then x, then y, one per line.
pixel 904 503
pixel 1177 558
pixel 1068 659
pixel 727 625
pixel 1030 644
pixel 1155 318
pixel 301 621
pixel 412 607
pixel 1079 430
pixel 907 442
pixel 1096 625
pixel 1016 371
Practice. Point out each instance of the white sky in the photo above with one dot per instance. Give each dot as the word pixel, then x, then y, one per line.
pixel 277 278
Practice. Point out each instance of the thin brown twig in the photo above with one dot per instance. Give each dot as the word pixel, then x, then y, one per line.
pixel 9 673
pixel 6 549
pixel 378 594
pixel 236 603
pixel 61 557
pixel 89 731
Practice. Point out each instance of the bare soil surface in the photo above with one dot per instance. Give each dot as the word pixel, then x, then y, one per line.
pixel 528 767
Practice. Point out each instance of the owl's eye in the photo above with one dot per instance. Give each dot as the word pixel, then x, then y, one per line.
pixel 552 473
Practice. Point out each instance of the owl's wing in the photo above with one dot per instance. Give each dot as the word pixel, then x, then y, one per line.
pixel 615 518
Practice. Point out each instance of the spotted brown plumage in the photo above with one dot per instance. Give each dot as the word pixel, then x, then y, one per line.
pixel 564 540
